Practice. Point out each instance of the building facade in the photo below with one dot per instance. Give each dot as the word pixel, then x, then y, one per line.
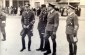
pixel 37 3
pixel 9 3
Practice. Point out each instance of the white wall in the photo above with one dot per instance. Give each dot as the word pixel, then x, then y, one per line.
pixel 3 3
pixel 0 3
pixel 82 5
pixel 10 3
pixel 32 2
pixel 82 2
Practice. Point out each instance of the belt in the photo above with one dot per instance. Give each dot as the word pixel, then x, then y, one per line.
pixel 51 23
pixel 69 26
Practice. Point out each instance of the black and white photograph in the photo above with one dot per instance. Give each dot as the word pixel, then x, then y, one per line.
pixel 42 27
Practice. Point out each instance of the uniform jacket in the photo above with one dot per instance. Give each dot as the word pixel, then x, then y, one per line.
pixel 28 18
pixel 42 20
pixel 52 21
pixel 71 24
pixel 2 20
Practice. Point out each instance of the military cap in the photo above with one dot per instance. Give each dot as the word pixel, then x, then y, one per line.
pixel 51 5
pixel 43 5
pixel 56 8
pixel 27 5
pixel 72 7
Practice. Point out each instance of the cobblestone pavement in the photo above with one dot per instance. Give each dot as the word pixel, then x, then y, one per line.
pixel 13 45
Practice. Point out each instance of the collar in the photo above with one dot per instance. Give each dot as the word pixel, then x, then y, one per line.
pixel 28 11
pixel 71 13
pixel 52 11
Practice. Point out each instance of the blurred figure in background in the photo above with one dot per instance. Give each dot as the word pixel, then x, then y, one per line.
pixel 15 10
pixel 78 11
pixel 38 11
pixel 18 11
pixel 2 25
pixel 21 10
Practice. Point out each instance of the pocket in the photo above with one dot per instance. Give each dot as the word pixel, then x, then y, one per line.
pixel 53 37
pixel 3 25
pixel 69 30
pixel 30 33
pixel 22 32
pixel 75 39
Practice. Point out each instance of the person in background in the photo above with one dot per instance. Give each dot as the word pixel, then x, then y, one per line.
pixel 18 11
pixel 21 10
pixel 38 11
pixel 2 25
pixel 78 11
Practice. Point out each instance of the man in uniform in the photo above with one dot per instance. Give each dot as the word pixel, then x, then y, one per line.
pixel 42 25
pixel 71 30
pixel 27 21
pixel 2 25
pixel 51 28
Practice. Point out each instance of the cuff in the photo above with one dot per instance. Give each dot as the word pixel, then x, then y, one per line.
pixel 3 21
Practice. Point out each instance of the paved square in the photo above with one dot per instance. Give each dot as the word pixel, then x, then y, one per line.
pixel 13 44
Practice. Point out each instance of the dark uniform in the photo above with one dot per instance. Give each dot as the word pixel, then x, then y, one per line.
pixel 27 21
pixel 71 32
pixel 2 26
pixel 42 24
pixel 51 28
pixel 78 11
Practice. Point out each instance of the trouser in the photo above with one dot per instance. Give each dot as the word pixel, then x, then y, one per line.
pixel 53 37
pixel 3 32
pixel 29 34
pixel 41 39
pixel 72 46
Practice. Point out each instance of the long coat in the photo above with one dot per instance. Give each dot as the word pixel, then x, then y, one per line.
pixel 2 25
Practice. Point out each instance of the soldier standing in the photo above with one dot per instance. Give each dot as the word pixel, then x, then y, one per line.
pixel 27 21
pixel 41 25
pixel 2 25
pixel 51 28
pixel 71 30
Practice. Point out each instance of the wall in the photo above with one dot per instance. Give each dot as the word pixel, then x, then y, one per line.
pixel 82 5
pixel 0 3
pixel 32 2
